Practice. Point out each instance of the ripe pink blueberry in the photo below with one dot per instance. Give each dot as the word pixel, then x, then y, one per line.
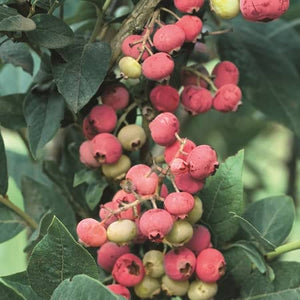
pixel 196 100
pixel 116 96
pixel 88 129
pixel 158 66
pixel 163 129
pixel 155 224
pixel 200 239
pixel 172 151
pixel 130 47
pixel 109 253
pixel 119 290
pixel 164 98
pixel 179 204
pixel 186 183
pixel 188 6
pixel 91 232
pixel 210 265
pixel 190 78
pixel 178 166
pixel 105 212
pixel 180 263
pixel 86 155
pixel 203 162
pixel 144 180
pixel 225 72
pixel 227 98
pixel 191 25
pixel 106 148
pixel 164 191
pixel 128 270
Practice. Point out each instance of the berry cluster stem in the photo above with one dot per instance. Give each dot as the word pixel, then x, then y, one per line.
pixel 124 115
pixel 283 249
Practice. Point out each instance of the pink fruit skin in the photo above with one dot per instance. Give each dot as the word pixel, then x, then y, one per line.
pixel 192 26
pixel 179 204
pixel 103 118
pixel 106 148
pixel 155 224
pixel 164 98
pixel 186 183
pixel 180 263
pixel 227 98
pixel 203 162
pixel 115 96
pixel 91 232
pixel 178 166
pixel 158 66
pixel 86 155
pixel 200 239
pixel 171 151
pixel 109 253
pixel 88 129
pixel 119 290
pixel 196 100
pixel 164 191
pixel 189 78
pixel 163 129
pixel 144 180
pixel 263 10
pixel 128 270
pixel 188 6
pixel 225 72
pixel 104 212
pixel 133 50
pixel 169 38
pixel 210 265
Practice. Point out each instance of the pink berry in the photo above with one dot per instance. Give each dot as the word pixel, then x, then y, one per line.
pixel 190 78
pixel 169 38
pixel 164 98
pixel 116 96
pixel 188 6
pixel 227 98
pixel 163 129
pixel 91 232
pixel 225 72
pixel 105 212
pixel 164 191
pixel 130 47
pixel 200 239
pixel 88 129
pixel 178 166
pixel 128 270
pixel 119 290
pixel 156 224
pixel 158 66
pixel 180 263
pixel 86 155
pixel 144 180
pixel 103 118
pixel 203 162
pixel 210 265
pixel 179 204
pixel 172 151
pixel 106 148
pixel 109 253
pixel 186 183
pixel 196 100
pixel 191 25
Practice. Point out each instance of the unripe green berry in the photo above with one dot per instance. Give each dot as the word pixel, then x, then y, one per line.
pixel 132 137
pixel 174 287
pixel 153 261
pixel 117 170
pixel 130 67
pixel 122 231
pixel 196 213
pixel 200 290
pixel 226 9
pixel 181 233
pixel 147 288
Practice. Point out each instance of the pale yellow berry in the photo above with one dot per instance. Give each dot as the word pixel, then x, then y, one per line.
pixel 118 170
pixel 147 288
pixel 130 67
pixel 196 213
pixel 225 9
pixel 200 290
pixel 132 137
pixel 173 287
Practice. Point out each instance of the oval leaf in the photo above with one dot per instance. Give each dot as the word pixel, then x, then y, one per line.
pixel 3 168
pixel 9 293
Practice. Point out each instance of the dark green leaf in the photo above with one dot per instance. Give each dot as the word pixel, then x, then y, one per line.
pixel 9 293
pixel 10 20
pixel 222 195
pixel 82 287
pixel 11 111
pixel 94 193
pixel 17 54
pixel 46 4
pixel 43 114
pixel 79 78
pixel 98 3
pixel 50 32
pixel 3 168
pixel 58 257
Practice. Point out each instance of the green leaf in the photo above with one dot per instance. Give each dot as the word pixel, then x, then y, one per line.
pixel 11 111
pixel 79 78
pixel 58 257
pixel 17 54
pixel 3 168
pixel 273 217
pixel 82 287
pixel 46 4
pixel 43 113
pixel 9 293
pixel 10 20
pixel 50 32
pixel 94 193
pixel 261 65
pixel 222 195
pixel 98 3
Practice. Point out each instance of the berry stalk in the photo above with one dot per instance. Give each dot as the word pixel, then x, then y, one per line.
pixel 283 249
